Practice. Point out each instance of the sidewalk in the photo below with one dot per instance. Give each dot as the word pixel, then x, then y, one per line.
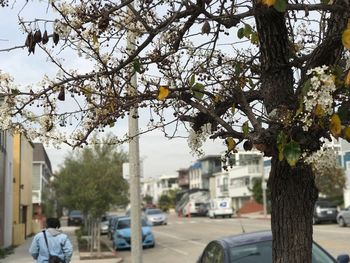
pixel 21 254
pixel 254 215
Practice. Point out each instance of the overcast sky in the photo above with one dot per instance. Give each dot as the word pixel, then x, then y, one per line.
pixel 160 155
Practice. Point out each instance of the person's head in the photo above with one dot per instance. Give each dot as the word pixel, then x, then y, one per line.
pixel 53 222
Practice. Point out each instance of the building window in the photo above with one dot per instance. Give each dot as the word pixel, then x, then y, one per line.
pixel 240 182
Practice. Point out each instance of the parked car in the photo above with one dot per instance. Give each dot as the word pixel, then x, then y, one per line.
pixel 155 216
pixel 75 218
pixel 220 207
pixel 324 211
pixel 255 247
pixel 111 226
pixel 104 224
pixel 343 218
pixel 122 234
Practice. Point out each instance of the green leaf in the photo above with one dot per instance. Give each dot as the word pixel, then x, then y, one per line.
pixel 240 33
pixel 192 80
pixel 245 128
pixel 254 38
pixel 292 152
pixel 137 65
pixel 281 142
pixel 247 31
pixel 197 90
pixel 325 2
pixel 233 109
pixel 14 91
pixel 306 87
pixel 238 69
pixel 280 5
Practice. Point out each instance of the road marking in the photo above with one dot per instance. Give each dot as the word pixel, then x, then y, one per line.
pixel 179 238
pixel 174 249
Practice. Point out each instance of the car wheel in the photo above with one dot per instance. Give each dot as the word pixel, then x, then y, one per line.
pixel 153 245
pixel 341 222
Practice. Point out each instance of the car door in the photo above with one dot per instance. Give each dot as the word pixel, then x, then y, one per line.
pixel 213 253
pixel 347 215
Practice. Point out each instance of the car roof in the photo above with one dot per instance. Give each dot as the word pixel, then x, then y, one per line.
pixel 245 238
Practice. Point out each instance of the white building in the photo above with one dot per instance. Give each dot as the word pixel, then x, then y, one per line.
pixel 156 187
pixel 238 179
pixel 6 182
pixel 201 171
pixel 345 161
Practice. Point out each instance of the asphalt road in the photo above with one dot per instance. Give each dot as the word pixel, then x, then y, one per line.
pixel 183 239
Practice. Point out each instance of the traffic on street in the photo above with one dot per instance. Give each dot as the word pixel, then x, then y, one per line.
pixel 183 239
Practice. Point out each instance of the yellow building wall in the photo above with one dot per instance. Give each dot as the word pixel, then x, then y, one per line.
pixel 16 179
pixel 26 180
pixel 22 188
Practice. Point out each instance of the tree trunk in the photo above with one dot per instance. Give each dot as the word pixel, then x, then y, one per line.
pixel 293 196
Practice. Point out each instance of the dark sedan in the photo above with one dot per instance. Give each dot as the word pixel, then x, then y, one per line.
pixel 75 218
pixel 255 247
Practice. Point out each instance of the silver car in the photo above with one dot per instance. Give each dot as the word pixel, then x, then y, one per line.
pixel 343 217
pixel 156 217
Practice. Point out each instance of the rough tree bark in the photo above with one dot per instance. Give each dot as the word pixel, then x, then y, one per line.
pixel 293 196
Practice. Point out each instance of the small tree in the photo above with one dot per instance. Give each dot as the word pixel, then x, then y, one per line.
pixel 165 202
pixel 91 180
pixel 148 199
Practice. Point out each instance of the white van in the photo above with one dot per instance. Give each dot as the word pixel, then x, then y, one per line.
pixel 220 207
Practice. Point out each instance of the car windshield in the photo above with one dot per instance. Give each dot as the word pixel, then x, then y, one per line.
pixel 154 212
pixel 325 204
pixel 75 213
pixel 126 223
pixel 262 252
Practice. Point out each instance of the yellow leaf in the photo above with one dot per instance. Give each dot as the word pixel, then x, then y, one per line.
pixel 346 133
pixel 231 144
pixel 217 98
pixel 346 38
pixel 269 2
pixel 163 93
pixel 347 79
pixel 335 126
pixel 319 111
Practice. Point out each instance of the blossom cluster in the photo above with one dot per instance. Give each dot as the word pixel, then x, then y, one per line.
pixel 195 139
pixel 322 86
pixel 322 160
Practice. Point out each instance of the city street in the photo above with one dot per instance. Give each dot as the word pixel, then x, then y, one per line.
pixel 183 239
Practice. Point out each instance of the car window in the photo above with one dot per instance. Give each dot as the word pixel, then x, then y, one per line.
pixel 123 224
pixel 319 256
pixel 153 212
pixel 126 223
pixel 262 252
pixel 325 204
pixel 257 252
pixel 75 213
pixel 213 253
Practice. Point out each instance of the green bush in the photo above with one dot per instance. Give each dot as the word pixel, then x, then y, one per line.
pixel 6 251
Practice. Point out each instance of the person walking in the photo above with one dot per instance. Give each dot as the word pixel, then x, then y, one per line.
pixel 51 242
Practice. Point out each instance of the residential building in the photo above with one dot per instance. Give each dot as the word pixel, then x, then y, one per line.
pixel 6 163
pixel 41 192
pixel 183 178
pixel 201 171
pixel 345 161
pixel 149 188
pixel 22 188
pixel 238 178
pixel 156 187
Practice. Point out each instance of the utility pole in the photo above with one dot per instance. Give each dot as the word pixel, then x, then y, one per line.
pixel 134 161
pixel 263 185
